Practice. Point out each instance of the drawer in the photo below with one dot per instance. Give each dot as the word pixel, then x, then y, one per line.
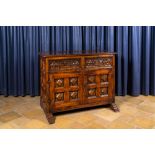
pixel 64 65
pixel 98 62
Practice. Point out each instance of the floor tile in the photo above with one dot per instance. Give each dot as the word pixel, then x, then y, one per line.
pixel 35 124
pixel 25 112
pixel 9 116
pixel 108 114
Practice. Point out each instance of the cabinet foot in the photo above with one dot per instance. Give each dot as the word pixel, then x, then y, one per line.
pixel 50 118
pixel 114 107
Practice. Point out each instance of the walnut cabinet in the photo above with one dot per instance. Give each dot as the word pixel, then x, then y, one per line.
pixel 76 81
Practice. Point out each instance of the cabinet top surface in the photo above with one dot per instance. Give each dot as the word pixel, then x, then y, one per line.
pixel 43 54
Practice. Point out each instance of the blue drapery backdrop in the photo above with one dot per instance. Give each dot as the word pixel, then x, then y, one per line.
pixel 20 46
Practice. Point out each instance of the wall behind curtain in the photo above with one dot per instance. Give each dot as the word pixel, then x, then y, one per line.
pixel 20 46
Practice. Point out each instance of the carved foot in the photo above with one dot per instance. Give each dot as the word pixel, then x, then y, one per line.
pixel 114 107
pixel 50 118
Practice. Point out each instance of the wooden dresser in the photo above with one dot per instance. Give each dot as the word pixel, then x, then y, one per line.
pixel 76 81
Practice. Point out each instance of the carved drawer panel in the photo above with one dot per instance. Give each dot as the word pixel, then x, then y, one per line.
pixel 92 92
pixel 104 78
pixel 64 65
pixel 105 84
pixel 59 82
pixel 91 79
pixel 98 62
pixel 104 91
pixel 73 95
pixel 73 81
pixel 59 96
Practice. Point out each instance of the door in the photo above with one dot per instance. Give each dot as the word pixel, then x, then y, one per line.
pixel 65 91
pixel 98 86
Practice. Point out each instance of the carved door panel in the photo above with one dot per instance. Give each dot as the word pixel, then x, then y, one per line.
pixel 65 90
pixel 98 85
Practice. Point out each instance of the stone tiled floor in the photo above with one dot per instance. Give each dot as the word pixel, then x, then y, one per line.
pixel 25 112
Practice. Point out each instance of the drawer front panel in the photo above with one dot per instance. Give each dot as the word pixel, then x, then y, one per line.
pixel 64 65
pixel 98 62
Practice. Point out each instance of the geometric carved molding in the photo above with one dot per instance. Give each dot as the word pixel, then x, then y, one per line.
pixel 59 96
pixel 73 81
pixel 91 79
pixel 104 91
pixel 59 83
pixel 92 92
pixel 99 61
pixel 104 78
pixel 64 64
pixel 73 95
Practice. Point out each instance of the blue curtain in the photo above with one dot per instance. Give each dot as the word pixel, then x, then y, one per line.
pixel 20 46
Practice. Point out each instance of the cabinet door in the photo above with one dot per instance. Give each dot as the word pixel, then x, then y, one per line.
pixel 65 91
pixel 98 86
